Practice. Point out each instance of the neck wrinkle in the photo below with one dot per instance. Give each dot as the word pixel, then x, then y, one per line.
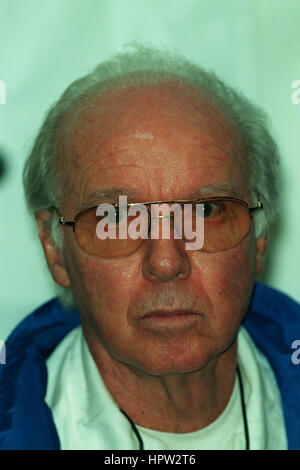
pixel 178 403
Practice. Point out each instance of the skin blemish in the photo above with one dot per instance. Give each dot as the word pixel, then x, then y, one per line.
pixel 144 135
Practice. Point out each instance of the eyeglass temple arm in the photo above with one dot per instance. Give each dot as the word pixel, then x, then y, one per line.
pixel 259 206
pixel 62 221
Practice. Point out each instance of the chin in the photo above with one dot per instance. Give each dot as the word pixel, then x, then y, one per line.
pixel 183 357
pixel 174 363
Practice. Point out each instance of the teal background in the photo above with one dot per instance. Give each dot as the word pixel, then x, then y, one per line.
pixel 46 44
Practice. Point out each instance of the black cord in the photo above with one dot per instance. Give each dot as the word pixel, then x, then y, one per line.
pixel 141 443
pixel 246 430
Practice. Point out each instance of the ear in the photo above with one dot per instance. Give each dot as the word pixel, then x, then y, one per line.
pixel 261 247
pixel 53 255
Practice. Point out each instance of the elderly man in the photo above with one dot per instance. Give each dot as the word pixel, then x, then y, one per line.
pixel 165 356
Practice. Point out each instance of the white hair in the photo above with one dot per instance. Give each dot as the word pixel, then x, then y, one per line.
pixel 150 66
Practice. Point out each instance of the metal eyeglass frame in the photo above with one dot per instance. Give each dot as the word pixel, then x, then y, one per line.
pixel 259 206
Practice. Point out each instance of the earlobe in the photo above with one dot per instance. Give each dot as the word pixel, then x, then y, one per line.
pixel 52 253
pixel 261 247
pixel 59 275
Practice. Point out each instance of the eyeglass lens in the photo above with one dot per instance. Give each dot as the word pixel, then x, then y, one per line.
pixel 226 223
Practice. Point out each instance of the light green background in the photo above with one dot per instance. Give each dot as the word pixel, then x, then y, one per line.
pixel 46 44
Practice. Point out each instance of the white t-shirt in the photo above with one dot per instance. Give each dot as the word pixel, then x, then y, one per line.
pixel 87 417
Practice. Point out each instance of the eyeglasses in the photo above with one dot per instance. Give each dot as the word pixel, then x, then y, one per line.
pixel 226 223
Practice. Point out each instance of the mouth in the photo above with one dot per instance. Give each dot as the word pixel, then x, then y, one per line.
pixel 176 320
pixel 169 313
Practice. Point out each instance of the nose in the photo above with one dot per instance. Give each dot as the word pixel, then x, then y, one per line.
pixel 166 260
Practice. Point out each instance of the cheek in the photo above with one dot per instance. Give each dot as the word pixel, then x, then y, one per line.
pixel 101 288
pixel 226 280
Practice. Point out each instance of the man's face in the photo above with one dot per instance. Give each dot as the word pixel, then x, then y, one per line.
pixel 157 144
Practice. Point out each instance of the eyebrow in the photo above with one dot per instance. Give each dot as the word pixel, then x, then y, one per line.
pixel 113 193
pixel 107 193
pixel 216 189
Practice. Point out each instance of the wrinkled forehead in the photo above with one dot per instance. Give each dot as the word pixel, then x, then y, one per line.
pixel 165 115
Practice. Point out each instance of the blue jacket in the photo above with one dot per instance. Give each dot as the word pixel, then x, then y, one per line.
pixel 273 321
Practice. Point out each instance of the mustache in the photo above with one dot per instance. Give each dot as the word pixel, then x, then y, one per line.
pixel 169 298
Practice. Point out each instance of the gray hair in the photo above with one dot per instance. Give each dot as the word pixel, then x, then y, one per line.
pixel 150 66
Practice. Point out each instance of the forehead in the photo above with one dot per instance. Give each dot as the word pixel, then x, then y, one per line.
pixel 153 132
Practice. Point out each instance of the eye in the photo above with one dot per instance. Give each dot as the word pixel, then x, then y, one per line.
pixel 117 217
pixel 212 209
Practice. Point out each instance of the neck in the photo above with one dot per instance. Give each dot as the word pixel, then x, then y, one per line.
pixel 178 403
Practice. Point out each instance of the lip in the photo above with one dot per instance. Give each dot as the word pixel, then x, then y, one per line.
pixel 168 313
pixel 169 321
